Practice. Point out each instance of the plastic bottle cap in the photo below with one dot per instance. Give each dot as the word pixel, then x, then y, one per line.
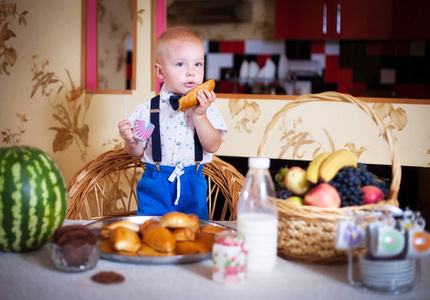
pixel 259 162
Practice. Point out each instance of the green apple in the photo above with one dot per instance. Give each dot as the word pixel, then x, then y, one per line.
pixel 295 199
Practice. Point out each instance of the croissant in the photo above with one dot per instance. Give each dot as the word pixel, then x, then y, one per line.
pixel 190 100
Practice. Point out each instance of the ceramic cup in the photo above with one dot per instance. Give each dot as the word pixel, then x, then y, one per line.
pixel 417 240
pixel 407 221
pixel 386 240
pixel 380 220
pixel 348 235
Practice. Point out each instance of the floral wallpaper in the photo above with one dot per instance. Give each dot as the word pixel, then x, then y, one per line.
pixel 395 119
pixel 13 137
pixel 42 102
pixel 9 14
pixel 246 112
pixel 69 109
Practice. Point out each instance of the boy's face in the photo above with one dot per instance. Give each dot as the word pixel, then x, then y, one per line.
pixel 182 66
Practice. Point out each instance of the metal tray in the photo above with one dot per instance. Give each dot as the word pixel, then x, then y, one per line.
pixel 175 259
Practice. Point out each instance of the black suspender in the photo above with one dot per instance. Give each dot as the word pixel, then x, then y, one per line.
pixel 156 139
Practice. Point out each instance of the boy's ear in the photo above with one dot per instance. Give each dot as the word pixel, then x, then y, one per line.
pixel 158 71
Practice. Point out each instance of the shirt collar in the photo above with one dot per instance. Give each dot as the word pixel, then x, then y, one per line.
pixel 164 93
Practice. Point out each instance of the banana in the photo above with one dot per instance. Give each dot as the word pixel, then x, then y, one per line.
pixel 336 161
pixel 313 169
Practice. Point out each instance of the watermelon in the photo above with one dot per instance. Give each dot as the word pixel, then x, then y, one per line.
pixel 33 198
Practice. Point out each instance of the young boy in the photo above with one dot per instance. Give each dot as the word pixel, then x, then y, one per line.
pixel 173 179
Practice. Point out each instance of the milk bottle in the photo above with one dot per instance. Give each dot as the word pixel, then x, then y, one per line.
pixel 257 216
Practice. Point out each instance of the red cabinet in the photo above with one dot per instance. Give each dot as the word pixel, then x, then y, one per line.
pixel 341 19
pixel 411 19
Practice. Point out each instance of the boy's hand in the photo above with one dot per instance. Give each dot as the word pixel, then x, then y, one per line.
pixel 205 99
pixel 126 131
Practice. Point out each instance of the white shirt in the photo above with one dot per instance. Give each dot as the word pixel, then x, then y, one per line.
pixel 176 132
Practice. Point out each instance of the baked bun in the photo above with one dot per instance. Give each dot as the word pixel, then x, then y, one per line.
pixel 205 240
pixel 212 229
pixel 195 224
pixel 148 223
pixel 106 230
pixel 145 250
pixel 190 100
pixel 159 238
pixel 175 219
pixel 124 239
pixel 106 246
pixel 184 234
pixel 187 248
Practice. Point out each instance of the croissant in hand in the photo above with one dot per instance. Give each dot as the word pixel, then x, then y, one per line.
pixel 190 100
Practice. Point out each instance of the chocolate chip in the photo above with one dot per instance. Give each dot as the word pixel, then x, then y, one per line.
pixel 108 277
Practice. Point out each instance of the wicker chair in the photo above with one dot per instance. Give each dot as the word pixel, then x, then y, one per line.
pixel 106 187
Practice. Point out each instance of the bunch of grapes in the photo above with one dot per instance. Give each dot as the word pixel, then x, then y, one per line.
pixel 281 190
pixel 348 182
pixel 368 178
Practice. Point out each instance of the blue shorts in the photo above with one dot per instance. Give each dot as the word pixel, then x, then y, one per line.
pixel 156 194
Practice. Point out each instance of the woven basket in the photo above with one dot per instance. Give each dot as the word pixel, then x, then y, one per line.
pixel 307 233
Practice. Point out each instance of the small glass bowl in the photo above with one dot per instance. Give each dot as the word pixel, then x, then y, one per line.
pixel 70 258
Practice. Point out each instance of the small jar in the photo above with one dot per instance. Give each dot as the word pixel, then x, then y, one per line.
pixel 229 258
pixel 74 249
pixel 71 258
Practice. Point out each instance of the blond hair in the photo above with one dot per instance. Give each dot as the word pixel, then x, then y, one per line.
pixel 173 34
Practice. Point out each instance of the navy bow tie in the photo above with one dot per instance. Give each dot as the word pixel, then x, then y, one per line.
pixel 174 102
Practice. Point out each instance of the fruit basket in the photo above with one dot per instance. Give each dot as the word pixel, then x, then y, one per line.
pixel 307 233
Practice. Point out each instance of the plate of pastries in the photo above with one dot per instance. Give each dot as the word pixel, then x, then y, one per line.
pixel 173 238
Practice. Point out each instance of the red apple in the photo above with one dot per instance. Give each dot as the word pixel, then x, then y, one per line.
pixel 323 195
pixel 296 181
pixel 372 194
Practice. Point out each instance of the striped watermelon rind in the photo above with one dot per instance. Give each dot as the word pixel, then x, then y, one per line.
pixel 33 198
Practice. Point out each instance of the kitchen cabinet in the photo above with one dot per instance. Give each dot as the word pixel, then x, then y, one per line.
pixel 341 19
pixel 411 19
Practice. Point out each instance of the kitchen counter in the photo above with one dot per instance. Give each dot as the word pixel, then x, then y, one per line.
pixel 32 276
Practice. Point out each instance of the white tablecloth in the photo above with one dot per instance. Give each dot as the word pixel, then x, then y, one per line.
pixel 25 276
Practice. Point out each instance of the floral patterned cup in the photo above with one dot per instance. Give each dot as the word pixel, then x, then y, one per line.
pixel 229 258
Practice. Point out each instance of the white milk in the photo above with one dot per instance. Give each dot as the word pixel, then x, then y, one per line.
pixel 261 235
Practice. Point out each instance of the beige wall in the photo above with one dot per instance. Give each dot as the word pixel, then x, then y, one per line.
pixel 50 42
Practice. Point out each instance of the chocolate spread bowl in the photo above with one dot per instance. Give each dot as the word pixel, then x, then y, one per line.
pixel 74 248
pixel 174 259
